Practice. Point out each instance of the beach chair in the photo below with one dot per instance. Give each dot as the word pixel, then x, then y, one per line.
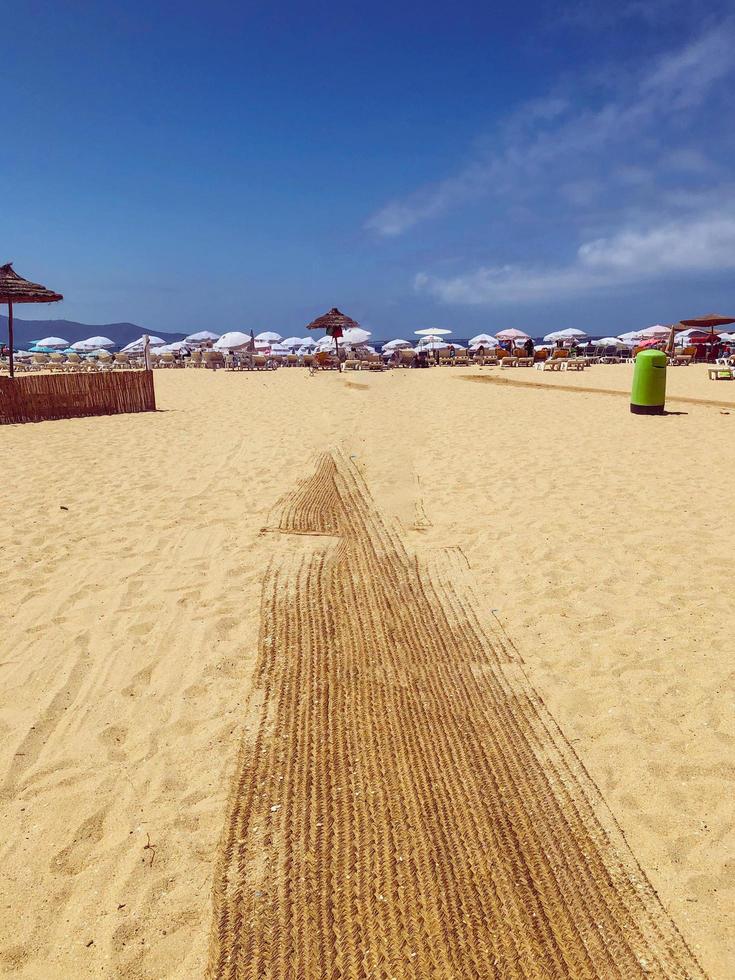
pixel 352 364
pixel 213 359
pixel 260 362
pixel 292 360
pixel 122 361
pixel 720 373
pixel 406 358
pixel 508 362
pixel 572 364
pixel 678 359
pixel 374 362
pixel 461 360
pixel 524 361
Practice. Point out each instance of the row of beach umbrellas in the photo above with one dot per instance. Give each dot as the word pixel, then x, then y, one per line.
pixel 433 338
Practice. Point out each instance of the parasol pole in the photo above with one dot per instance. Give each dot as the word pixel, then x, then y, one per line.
pixel 11 369
pixel 670 342
pixel 336 349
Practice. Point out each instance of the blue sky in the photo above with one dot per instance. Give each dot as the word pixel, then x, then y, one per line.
pixel 417 164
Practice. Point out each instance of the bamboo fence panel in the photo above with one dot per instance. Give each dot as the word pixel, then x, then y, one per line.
pixel 65 396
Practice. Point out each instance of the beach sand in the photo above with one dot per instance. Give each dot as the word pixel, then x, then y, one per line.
pixel 135 550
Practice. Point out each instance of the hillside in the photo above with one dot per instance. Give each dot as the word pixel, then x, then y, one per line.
pixel 26 331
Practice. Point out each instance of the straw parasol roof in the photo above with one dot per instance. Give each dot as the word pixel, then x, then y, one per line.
pixel 16 289
pixel 333 321
pixel 709 320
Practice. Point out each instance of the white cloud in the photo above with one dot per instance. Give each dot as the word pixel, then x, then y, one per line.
pixel 700 245
pixel 547 146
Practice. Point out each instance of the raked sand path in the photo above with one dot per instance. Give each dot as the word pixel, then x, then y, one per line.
pixel 519 651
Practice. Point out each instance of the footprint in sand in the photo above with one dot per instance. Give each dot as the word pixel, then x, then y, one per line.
pixel 73 858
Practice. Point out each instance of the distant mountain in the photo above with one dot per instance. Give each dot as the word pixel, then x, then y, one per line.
pixel 26 331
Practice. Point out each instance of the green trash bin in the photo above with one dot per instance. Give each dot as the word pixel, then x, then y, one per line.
pixel 648 393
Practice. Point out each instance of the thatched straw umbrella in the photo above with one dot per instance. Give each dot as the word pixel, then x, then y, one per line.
pixel 334 323
pixel 16 289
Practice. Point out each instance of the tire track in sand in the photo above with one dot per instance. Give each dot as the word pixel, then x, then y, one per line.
pixel 404 805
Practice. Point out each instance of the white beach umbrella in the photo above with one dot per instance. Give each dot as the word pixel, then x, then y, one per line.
pixel 355 335
pixel 138 344
pixel 570 334
pixel 233 340
pixel 308 342
pixel 729 338
pixel 53 342
pixel 92 343
pixel 268 337
pixel 432 332
pixel 512 334
pixel 395 344
pixel 483 340
pixel 202 337
pixel 280 349
pixel 431 339
pixel 175 348
pixel 609 342
pixel 293 342
pixel 631 336
pixel 432 345
pixel 657 331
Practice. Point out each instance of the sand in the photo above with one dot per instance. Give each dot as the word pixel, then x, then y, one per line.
pixel 136 552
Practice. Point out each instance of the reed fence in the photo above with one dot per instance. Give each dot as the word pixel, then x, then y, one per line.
pixel 66 396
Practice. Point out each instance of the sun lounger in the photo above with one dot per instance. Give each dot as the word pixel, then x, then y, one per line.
pixel 548 365
pixel 721 374
pixel 573 365
pixel 508 361
pixel 352 364
pixel 524 362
